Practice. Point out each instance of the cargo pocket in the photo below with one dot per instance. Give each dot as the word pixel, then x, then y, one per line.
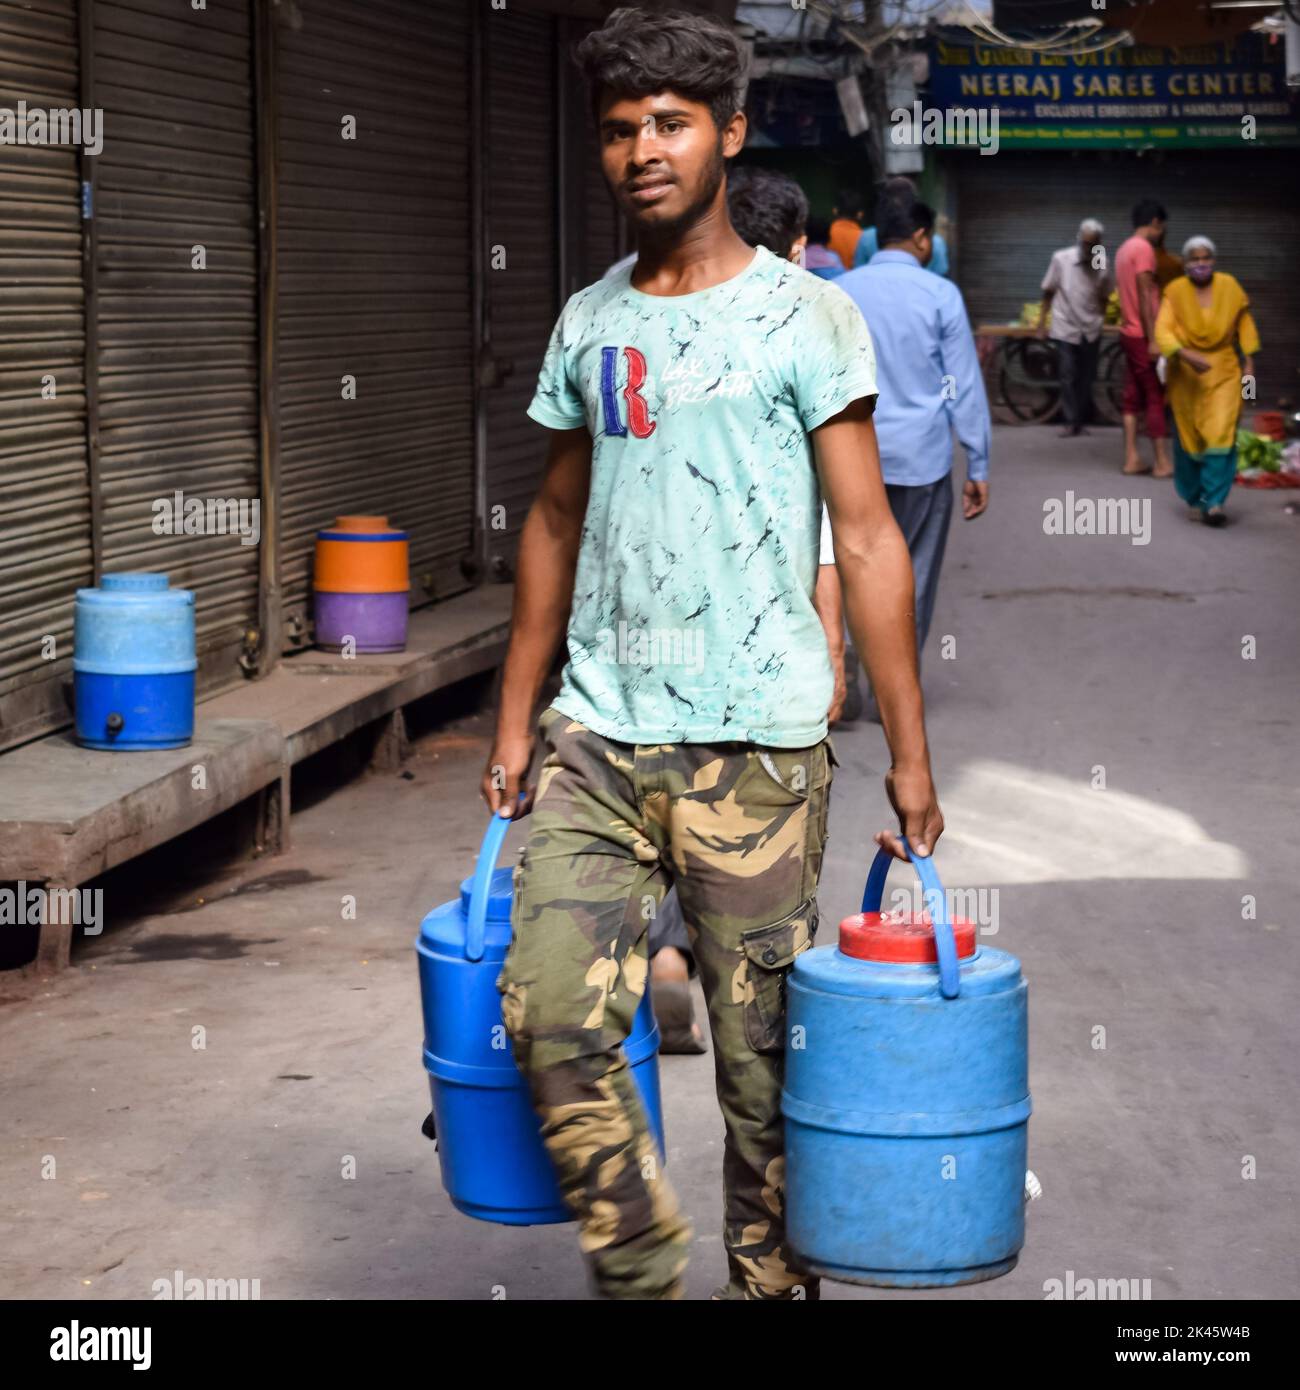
pixel 784 777
pixel 769 955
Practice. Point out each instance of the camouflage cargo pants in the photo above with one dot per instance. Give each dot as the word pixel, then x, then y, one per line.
pixel 740 830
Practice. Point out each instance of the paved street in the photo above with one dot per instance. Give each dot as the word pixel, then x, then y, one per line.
pixel 1076 658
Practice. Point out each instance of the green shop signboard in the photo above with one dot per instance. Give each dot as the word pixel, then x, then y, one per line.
pixel 1210 95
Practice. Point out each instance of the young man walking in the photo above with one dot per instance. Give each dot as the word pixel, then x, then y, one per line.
pixel 1139 301
pixel 931 385
pixel 694 407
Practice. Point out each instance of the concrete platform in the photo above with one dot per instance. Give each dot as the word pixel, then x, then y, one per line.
pixel 70 813
pixel 317 698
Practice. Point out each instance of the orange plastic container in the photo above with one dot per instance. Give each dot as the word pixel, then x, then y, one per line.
pixel 362 555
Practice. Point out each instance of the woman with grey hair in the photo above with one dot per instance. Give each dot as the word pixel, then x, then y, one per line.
pixel 1207 336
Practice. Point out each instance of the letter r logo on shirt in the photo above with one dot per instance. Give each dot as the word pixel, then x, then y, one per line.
pixel 638 412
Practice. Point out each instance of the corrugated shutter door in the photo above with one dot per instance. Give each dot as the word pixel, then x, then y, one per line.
pixel 601 240
pixel 520 60
pixel 1016 209
pixel 45 548
pixel 374 282
pixel 177 369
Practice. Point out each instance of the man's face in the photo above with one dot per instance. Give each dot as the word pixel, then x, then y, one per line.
pixel 664 158
pixel 1088 245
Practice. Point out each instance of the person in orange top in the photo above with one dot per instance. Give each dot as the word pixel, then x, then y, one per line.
pixel 846 226
pixel 1169 266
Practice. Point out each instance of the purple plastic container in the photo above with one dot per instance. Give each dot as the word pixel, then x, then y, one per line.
pixel 375 622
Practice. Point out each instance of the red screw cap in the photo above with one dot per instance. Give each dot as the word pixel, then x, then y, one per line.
pixel 900 936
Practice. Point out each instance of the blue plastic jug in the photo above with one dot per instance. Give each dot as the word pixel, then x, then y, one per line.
pixel 133 663
pixel 494 1164
pixel 906 1099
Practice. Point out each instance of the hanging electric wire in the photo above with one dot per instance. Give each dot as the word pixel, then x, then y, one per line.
pixel 1074 39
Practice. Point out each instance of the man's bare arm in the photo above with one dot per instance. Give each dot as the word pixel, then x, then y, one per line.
pixel 548 557
pixel 875 572
pixel 1146 280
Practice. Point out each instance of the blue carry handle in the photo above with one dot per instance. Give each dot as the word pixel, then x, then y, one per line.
pixel 944 940
pixel 476 931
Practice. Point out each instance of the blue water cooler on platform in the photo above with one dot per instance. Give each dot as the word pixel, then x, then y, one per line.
pixel 133 663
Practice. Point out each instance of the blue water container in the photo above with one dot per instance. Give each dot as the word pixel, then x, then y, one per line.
pixel 133 663
pixel 906 1099
pixel 494 1164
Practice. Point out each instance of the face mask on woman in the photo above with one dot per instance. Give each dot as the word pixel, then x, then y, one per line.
pixel 1199 272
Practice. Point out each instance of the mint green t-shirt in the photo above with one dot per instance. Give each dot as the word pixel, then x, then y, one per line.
pixel 692 618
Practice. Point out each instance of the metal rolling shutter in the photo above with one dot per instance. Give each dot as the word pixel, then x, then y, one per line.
pixel 45 533
pixel 373 238
pixel 1016 209
pixel 600 235
pixel 520 73
pixel 177 346
pixel 601 242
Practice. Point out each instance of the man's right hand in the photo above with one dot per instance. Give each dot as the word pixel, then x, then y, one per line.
pixel 506 775
pixel 840 693
pixel 974 498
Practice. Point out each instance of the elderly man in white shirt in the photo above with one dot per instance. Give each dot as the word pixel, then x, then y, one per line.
pixel 1077 284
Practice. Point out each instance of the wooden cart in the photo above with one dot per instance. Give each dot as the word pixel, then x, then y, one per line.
pixel 1022 372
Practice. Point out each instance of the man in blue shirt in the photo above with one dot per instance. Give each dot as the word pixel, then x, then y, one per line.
pixel 903 190
pixel 930 384
pixel 869 244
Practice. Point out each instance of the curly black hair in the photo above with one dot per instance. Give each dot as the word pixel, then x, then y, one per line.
pixel 767 208
pixel 638 52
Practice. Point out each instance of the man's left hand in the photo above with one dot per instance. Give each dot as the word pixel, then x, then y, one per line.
pixel 911 793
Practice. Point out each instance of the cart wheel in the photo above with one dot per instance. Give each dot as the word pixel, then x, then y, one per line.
pixel 1030 379
pixel 1108 390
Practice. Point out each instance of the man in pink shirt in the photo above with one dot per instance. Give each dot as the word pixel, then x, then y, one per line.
pixel 1139 301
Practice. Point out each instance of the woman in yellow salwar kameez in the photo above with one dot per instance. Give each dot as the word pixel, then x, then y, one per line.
pixel 1204 318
